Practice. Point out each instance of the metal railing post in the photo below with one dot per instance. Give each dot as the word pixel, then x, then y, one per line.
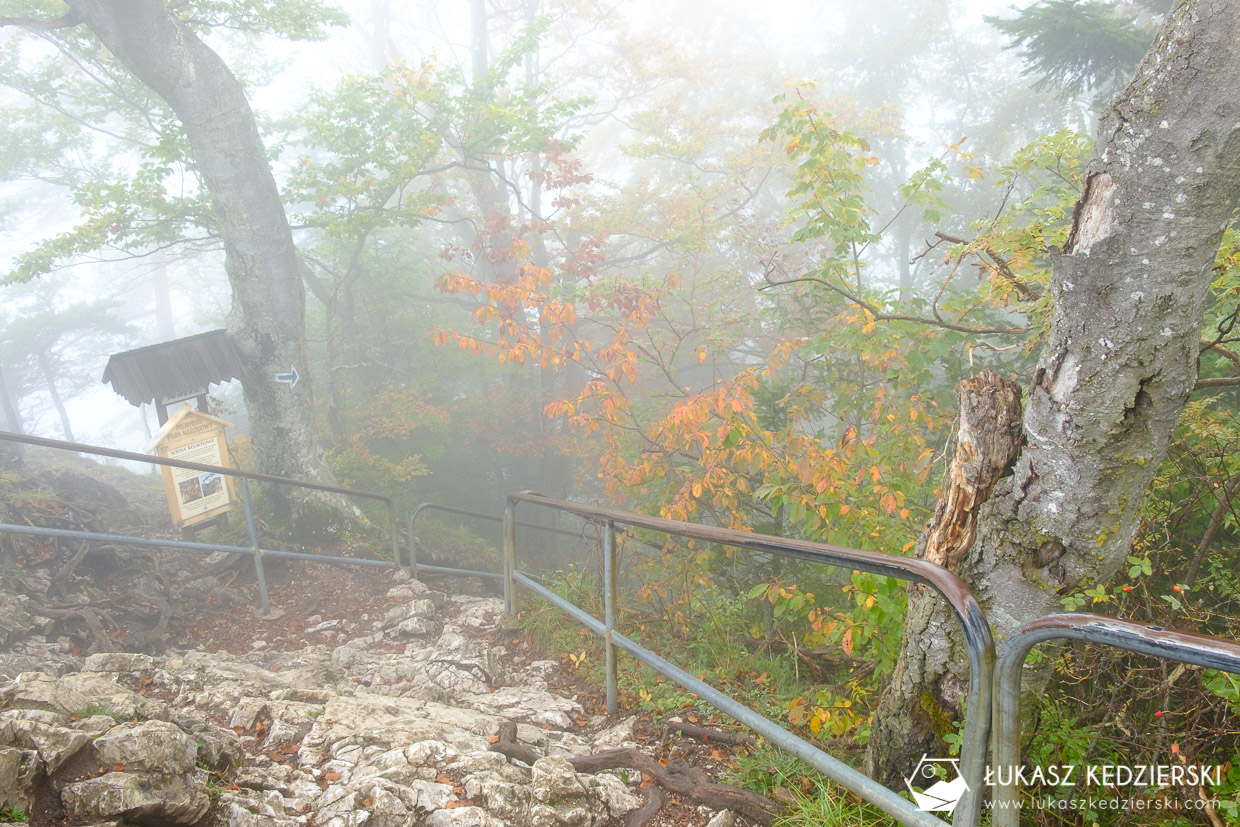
pixel 391 509
pixel 510 556
pixel 259 574
pixel 964 606
pixel 413 545
pixel 1157 641
pixel 610 578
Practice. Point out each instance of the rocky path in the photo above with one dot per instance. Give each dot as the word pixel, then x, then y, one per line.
pixel 383 726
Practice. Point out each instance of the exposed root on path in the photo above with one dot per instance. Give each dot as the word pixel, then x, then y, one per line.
pixel 676 778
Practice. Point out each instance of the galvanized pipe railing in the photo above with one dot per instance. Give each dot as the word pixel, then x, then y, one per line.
pixel 245 476
pixel 415 566
pixel 968 613
pixel 1171 644
pixel 230 472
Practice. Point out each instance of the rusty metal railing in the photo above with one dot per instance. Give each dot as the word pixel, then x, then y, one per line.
pixel 1185 647
pixel 253 550
pixel 964 606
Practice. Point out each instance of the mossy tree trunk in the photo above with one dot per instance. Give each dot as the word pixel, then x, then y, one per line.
pixel 1120 361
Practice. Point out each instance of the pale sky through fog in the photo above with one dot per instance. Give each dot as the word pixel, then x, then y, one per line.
pixel 793 38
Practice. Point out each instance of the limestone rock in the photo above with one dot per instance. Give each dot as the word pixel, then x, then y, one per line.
pixel 239 810
pixel 147 747
pixel 460 665
pixel 532 706
pixel 20 772
pixel 462 817
pixel 124 662
pixel 94 725
pixel 619 736
pixel 375 802
pixel 14 618
pixel 614 794
pixel 407 765
pixel 73 693
pixel 555 785
pixel 361 733
pixel 54 745
pixel 141 798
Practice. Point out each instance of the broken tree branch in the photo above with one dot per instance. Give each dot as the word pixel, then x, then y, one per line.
pixel 988 439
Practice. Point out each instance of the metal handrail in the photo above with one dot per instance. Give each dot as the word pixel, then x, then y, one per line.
pixel 1146 639
pixel 415 566
pixel 218 469
pixel 968 612
pixel 254 549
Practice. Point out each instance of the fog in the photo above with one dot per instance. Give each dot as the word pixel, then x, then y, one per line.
pixel 930 68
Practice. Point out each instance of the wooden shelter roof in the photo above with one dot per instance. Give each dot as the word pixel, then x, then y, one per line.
pixel 178 369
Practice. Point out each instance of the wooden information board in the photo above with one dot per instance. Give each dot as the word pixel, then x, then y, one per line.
pixel 195 496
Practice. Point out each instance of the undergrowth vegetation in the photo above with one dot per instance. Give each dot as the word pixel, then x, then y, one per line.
pixel 811 647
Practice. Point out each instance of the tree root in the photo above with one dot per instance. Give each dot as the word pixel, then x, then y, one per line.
pixel 507 745
pixel 677 778
pixel 707 736
pixel 90 617
pixel 61 578
pixel 645 814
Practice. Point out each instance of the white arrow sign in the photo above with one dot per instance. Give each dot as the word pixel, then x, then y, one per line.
pixel 289 378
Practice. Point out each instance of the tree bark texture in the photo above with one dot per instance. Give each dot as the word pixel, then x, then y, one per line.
pixel 267 320
pixel 930 681
pixel 1129 286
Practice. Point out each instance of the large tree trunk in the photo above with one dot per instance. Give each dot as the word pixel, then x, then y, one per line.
pixel 1129 288
pixel 267 320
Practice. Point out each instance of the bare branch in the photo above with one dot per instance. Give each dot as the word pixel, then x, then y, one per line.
pixel 1234 358
pixel 899 317
pixel 1217 382
pixel 1002 266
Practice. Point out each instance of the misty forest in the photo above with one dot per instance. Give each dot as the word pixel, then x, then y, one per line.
pixel 827 341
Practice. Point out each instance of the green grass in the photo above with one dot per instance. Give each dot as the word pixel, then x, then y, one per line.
pixel 713 637
pixel 12 815
pixel 816 802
